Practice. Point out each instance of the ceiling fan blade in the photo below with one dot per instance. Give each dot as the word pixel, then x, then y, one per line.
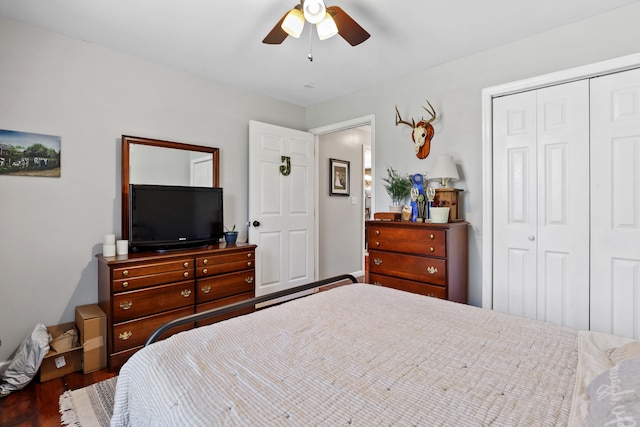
pixel 349 29
pixel 277 34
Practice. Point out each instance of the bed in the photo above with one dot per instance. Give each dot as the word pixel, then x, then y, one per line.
pixel 366 355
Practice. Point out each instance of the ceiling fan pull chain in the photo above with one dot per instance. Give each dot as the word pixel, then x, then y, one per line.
pixel 310 55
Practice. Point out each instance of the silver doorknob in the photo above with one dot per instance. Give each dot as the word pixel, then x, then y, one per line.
pixel 532 238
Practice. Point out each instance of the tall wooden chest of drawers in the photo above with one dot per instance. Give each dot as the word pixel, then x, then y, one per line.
pixel 141 291
pixel 424 258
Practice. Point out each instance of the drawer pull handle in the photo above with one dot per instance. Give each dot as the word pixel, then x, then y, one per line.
pixel 377 232
pixel 249 264
pixel 126 305
pixel 206 289
pixel 186 293
pixel 431 249
pixel 186 264
pixel 377 261
pixel 432 270
pixel 249 279
pixel 185 274
pixel 249 255
pixel 125 335
pixel 125 284
pixel 432 236
pixel 205 261
pixel 377 283
pixel 377 243
pixel 125 273
pixel 205 271
pixel 432 295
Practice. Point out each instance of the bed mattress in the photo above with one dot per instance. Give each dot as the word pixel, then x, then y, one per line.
pixel 355 355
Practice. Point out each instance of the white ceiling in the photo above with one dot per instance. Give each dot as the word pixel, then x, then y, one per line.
pixel 222 40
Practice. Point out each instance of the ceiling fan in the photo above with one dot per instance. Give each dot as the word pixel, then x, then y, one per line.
pixel 329 21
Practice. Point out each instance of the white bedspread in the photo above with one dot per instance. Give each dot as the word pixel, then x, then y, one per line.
pixel 362 355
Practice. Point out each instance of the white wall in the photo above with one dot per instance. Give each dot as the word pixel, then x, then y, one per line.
pixel 52 228
pixel 340 239
pixel 455 88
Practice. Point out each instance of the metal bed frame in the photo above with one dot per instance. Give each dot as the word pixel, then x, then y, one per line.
pixel 243 304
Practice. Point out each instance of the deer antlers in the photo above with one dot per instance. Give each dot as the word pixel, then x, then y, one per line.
pixel 431 112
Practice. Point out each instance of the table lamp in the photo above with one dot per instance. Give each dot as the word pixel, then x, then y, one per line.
pixel 444 169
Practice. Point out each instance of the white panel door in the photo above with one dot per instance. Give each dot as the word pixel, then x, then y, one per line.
pixel 541 204
pixel 615 204
pixel 281 206
pixel 514 211
pixel 563 204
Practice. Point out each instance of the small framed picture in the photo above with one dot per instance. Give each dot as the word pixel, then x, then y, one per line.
pixel 339 174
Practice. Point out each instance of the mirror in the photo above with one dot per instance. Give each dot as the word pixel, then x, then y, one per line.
pixel 152 161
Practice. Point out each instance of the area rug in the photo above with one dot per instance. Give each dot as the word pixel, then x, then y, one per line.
pixel 91 406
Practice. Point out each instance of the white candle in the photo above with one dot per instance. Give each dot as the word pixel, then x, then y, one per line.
pixel 108 250
pixel 122 247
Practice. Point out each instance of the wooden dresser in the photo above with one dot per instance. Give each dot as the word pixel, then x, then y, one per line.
pixel 424 258
pixel 141 291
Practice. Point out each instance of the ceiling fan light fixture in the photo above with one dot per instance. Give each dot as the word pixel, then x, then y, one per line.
pixel 327 27
pixel 294 22
pixel 314 10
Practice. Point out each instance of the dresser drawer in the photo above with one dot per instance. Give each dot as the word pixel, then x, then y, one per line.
pixel 218 264
pixel 134 333
pixel 151 280
pixel 137 270
pixel 412 247
pixel 225 285
pixel 129 305
pixel 221 303
pixel 413 234
pixel 422 269
pixel 409 286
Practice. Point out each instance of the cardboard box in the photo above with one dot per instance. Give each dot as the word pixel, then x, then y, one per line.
pixel 92 325
pixel 58 364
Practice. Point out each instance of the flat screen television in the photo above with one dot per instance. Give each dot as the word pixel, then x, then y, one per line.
pixel 172 217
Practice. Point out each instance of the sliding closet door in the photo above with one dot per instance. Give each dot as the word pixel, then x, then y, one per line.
pixel 541 204
pixel 615 204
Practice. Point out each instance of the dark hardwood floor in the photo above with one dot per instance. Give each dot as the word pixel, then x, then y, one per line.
pixel 37 404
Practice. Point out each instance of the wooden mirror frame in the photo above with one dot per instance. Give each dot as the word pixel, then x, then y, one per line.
pixel 126 143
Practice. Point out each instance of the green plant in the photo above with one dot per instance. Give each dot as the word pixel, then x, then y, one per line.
pixel 233 229
pixel 398 186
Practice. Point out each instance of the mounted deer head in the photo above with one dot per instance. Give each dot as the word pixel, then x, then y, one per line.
pixel 422 131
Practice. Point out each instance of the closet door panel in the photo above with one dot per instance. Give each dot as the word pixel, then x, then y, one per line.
pixel 563 204
pixel 615 204
pixel 514 192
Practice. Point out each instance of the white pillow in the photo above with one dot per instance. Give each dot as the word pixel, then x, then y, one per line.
pixel 26 361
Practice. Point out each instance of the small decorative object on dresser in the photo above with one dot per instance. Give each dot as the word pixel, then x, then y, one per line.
pixel 398 188
pixel 439 215
pixel 230 236
pixel 449 197
pixel 423 258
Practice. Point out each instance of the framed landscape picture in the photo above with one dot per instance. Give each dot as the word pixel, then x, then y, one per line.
pixel 29 154
pixel 339 174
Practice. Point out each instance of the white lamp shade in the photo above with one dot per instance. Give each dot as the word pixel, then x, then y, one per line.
pixel 314 10
pixel 294 22
pixel 444 169
pixel 327 27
